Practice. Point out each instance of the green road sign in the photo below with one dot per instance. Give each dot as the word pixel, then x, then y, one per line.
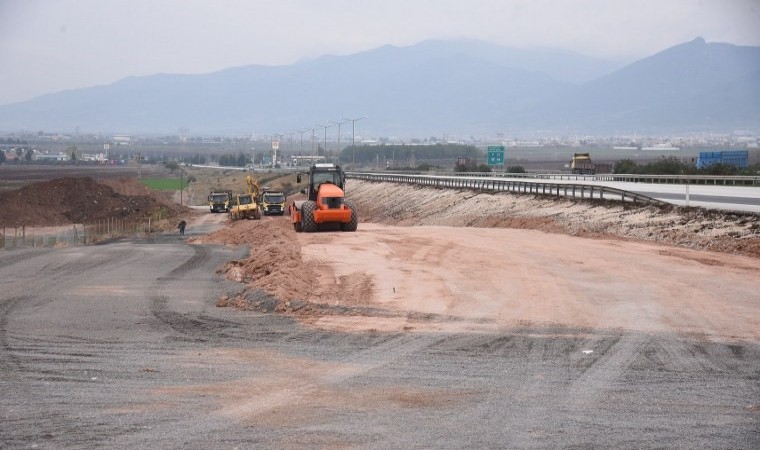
pixel 495 155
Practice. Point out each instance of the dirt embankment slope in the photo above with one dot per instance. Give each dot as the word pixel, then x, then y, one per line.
pixel 398 204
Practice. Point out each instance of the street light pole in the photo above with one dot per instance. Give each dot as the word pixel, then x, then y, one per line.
pixel 353 138
pixel 339 123
pixel 291 133
pixel 312 144
pixel 300 144
pixel 325 127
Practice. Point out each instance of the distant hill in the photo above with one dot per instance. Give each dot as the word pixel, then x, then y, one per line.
pixel 692 86
pixel 461 87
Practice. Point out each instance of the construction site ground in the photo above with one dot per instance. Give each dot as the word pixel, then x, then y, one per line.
pixel 449 319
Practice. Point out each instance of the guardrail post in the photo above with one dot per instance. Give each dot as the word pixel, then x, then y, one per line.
pixel 687 194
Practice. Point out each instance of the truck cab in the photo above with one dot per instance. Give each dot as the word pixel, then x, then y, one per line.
pixel 220 201
pixel 273 202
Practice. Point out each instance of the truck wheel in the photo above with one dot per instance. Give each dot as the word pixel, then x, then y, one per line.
pixel 354 222
pixel 307 217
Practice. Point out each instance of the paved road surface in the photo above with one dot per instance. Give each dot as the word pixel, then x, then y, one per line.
pixel 121 345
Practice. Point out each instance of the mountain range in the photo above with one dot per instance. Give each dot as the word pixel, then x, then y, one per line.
pixel 458 87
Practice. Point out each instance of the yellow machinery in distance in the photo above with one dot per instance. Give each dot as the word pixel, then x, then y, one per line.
pixel 246 206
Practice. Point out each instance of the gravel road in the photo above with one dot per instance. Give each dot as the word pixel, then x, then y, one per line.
pixel 121 345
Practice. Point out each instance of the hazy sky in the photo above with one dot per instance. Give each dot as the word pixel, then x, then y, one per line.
pixel 53 45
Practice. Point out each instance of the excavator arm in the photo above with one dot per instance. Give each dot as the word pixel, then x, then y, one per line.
pixel 253 186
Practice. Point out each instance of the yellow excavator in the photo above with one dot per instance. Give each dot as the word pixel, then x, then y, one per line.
pixel 246 206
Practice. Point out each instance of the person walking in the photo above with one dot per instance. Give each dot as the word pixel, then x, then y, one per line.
pixel 181 225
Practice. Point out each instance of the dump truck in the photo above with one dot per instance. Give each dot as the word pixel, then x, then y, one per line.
pixel 326 203
pixel 582 164
pixel 246 206
pixel 220 200
pixel 272 202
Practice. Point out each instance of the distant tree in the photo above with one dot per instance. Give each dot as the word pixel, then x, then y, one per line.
pixel 29 154
pixel 198 159
pixel 669 166
pixel 515 169
pixel 19 152
pixel 73 149
pixel 625 166
pixel 719 169
pixel 239 160
pixel 2 156
pixel 469 165
pixel 171 165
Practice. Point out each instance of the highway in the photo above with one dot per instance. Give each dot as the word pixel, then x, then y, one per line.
pixel 731 198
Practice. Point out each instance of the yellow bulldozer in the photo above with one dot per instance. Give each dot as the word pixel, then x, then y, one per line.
pixel 246 206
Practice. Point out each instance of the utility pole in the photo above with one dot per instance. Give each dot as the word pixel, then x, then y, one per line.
pixel 325 127
pixel 339 123
pixel 353 138
pixel 312 145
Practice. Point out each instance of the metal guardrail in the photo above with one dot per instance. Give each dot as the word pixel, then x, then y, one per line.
pixel 725 180
pixel 576 191
pixel 733 180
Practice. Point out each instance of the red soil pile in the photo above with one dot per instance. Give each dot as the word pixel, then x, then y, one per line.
pixel 65 201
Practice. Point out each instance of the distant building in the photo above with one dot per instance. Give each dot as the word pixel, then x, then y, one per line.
pixel 300 160
pixel 97 157
pixel 60 156
pixel 122 139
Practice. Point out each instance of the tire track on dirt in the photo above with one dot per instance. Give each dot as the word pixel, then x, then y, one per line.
pixel 8 258
pixel 45 359
pixel 201 327
pixel 386 351
pixel 200 254
pixel 198 326
pixel 11 364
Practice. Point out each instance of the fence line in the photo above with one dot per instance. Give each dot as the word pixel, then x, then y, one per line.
pixel 77 234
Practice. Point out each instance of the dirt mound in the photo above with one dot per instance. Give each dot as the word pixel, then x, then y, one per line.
pixel 79 200
pixel 276 269
pixel 274 264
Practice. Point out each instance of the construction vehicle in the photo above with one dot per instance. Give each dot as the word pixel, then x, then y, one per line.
pixel 326 203
pixel 272 202
pixel 582 164
pixel 246 206
pixel 219 200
